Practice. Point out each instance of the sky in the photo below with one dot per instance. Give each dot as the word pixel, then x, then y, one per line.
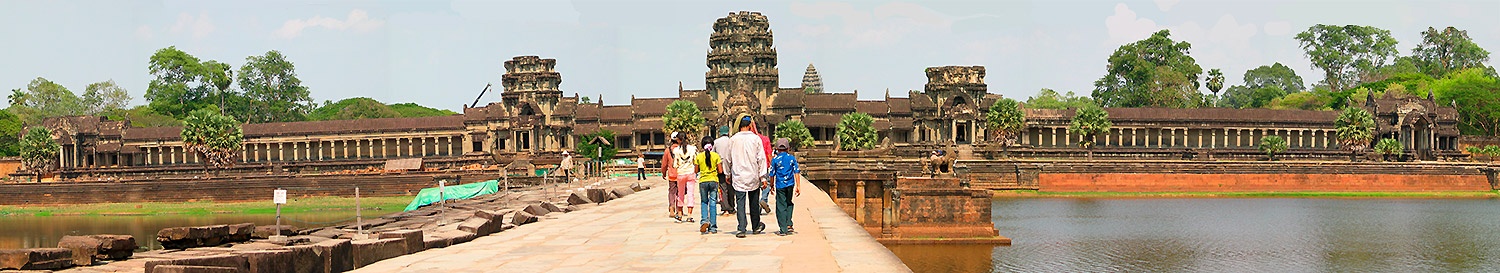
pixel 442 53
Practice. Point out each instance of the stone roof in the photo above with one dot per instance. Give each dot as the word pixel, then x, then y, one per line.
pixel 830 102
pixel 921 102
pixel 650 107
pixel 1255 115
pixel 587 111
pixel 874 108
pixel 615 113
pixel 565 109
pixel 308 128
pixel 788 98
pixel 821 120
pixel 899 106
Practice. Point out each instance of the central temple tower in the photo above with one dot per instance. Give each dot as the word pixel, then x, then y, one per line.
pixel 741 57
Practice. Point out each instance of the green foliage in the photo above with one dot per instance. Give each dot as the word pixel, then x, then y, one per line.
pixel 43 99
pixel 1314 100
pixel 1246 97
pixel 1477 97
pixel 1089 123
pixel 1272 145
pixel 142 116
pixel 1388 146
pixel 104 97
pixel 1346 53
pixel 365 108
pixel 856 132
pixel 584 100
pixel 1215 80
pixel 795 131
pixel 683 116
pixel 1448 50
pixel 213 136
pixel 1049 99
pixel 272 92
pixel 10 134
pixel 1356 128
pixel 184 83
pixel 1006 119
pixel 1274 75
pixel 588 149
pixel 1155 72
pixel 38 149
pixel 1489 150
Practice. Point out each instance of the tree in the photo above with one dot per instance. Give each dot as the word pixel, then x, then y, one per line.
pixel 1215 81
pixel 856 132
pixel 1448 50
pixel 10 134
pixel 683 116
pixel 795 131
pixel 412 110
pixel 1245 97
pixel 184 83
pixel 1007 120
pixel 587 148
pixel 1314 100
pixel 1049 99
pixel 212 136
pixel 1388 147
pixel 1089 123
pixel 38 149
pixel 142 116
pixel 1155 72
pixel 1274 75
pixel 1477 98
pixel 1355 129
pixel 43 99
pixel 1345 53
pixel 1272 145
pixel 584 100
pixel 104 97
pixel 273 92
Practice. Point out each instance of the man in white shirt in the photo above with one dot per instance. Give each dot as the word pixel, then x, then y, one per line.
pixel 748 154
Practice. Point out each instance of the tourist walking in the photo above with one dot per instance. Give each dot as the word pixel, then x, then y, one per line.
pixel 709 165
pixel 765 193
pixel 566 166
pixel 785 170
pixel 640 167
pixel 669 173
pixel 726 191
pixel 748 170
pixel 687 175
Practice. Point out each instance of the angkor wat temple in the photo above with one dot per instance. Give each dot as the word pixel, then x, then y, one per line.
pixel 534 119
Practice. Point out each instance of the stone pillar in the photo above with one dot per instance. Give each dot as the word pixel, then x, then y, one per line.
pixel 859 202
pixel 1054 137
pixel 424 146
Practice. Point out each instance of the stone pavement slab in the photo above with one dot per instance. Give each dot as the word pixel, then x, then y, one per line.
pixel 633 234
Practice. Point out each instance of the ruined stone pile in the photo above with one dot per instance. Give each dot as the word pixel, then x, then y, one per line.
pixel 70 251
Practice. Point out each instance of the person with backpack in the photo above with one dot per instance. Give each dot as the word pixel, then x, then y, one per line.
pixel 687 176
pixel 709 165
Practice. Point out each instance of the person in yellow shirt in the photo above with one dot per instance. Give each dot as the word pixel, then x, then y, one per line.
pixel 709 166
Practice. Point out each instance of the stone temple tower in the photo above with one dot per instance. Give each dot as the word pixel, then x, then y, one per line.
pixel 741 56
pixel 531 84
pixel 811 80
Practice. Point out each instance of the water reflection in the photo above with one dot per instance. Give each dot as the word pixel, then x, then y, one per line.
pixel 1229 235
pixel 44 231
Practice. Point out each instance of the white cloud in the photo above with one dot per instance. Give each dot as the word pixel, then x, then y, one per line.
pixel 197 26
pixel 885 24
pixel 1230 32
pixel 358 21
pixel 1166 5
pixel 1278 28
pixel 1124 27
pixel 143 32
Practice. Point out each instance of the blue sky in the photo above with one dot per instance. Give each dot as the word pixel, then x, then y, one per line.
pixel 441 53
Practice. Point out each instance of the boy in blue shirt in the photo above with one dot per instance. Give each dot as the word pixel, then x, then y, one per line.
pixel 785 171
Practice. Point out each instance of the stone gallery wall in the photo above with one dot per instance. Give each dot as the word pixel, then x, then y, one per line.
pixel 221 189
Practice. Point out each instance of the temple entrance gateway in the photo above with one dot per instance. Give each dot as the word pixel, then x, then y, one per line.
pixel 961 133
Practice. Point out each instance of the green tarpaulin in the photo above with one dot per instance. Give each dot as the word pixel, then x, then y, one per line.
pixel 465 191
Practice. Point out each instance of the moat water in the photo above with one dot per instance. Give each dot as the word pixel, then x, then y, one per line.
pixel 1229 235
pixel 44 231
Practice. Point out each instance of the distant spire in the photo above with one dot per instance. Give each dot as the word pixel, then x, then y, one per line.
pixel 811 80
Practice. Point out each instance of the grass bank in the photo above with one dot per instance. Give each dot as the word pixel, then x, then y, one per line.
pixel 1310 194
pixel 384 204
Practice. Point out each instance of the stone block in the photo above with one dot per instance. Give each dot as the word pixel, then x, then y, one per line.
pixel 489 214
pixel 188 237
pixel 337 254
pixel 195 269
pixel 638 187
pixel 522 218
pixel 598 195
pixel 367 252
pixel 240 232
pixel 237 262
pixel 552 207
pixel 413 239
pixel 87 249
pixel 36 258
pixel 578 198
pixel 612 195
pixel 300 259
pixel 262 232
pixel 329 233
pixel 622 191
pixel 537 209
pixel 480 225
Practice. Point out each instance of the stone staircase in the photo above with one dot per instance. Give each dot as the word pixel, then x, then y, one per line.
pixel 966 152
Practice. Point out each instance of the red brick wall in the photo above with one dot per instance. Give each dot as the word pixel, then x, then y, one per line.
pixel 1156 182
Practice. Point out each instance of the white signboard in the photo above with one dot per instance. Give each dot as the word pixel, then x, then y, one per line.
pixel 280 197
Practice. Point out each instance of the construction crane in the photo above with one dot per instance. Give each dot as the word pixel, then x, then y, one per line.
pixel 481 95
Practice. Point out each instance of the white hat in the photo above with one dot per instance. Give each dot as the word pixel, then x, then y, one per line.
pixel 565 152
pixel 674 135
